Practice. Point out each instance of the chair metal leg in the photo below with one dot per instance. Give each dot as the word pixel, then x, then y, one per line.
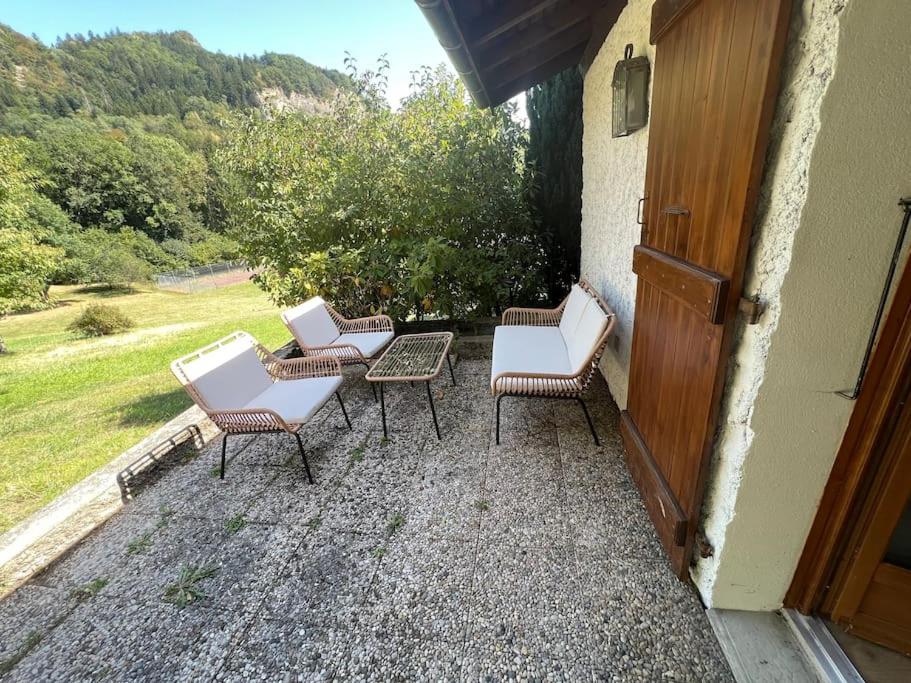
pixel 433 411
pixel 300 446
pixel 588 419
pixel 372 385
pixel 451 373
pixel 383 410
pixel 499 398
pixel 224 445
pixel 344 412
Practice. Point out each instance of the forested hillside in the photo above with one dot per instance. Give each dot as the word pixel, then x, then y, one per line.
pixel 144 73
pixel 108 143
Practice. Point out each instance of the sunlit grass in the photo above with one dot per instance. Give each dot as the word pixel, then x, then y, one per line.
pixel 69 405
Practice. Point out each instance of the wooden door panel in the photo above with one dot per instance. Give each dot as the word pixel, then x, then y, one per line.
pixel 884 614
pixel 716 69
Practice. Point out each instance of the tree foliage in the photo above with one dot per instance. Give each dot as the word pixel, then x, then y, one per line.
pixel 416 211
pixel 555 162
pixel 144 73
pixel 25 263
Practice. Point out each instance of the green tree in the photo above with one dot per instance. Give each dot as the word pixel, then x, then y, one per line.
pixel 416 211
pixel 26 265
pixel 555 164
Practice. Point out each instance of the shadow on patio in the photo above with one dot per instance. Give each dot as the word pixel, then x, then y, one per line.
pixel 408 559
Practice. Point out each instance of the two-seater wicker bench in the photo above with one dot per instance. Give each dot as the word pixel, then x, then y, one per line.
pixel 551 353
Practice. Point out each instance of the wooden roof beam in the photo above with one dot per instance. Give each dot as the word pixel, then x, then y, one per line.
pixel 507 16
pixel 522 60
pixel 508 46
pixel 536 74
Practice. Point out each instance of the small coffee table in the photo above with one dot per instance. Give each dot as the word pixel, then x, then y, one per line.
pixel 413 358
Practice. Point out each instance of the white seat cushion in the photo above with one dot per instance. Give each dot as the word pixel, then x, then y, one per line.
pixel 584 338
pixel 311 323
pixel 572 312
pixel 526 348
pixel 228 377
pixel 296 400
pixel 368 343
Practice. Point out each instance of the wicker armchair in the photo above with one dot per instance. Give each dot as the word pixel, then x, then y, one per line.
pixel 551 353
pixel 245 389
pixel 319 329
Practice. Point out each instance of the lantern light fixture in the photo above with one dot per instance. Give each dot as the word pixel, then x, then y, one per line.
pixel 630 86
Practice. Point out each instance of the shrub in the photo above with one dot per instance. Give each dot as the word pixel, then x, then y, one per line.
pixel 415 212
pixel 98 320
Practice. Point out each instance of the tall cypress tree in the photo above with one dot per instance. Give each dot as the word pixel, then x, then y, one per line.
pixel 554 159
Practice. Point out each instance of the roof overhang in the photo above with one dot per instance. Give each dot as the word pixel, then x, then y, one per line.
pixel 501 47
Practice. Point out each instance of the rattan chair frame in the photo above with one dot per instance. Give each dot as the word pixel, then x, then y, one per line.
pixel 551 385
pixel 259 421
pixel 347 354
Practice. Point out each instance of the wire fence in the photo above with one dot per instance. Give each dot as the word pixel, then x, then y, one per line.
pixel 201 278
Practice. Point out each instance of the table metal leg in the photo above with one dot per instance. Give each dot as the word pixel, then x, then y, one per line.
pixel 433 411
pixel 383 409
pixel 451 373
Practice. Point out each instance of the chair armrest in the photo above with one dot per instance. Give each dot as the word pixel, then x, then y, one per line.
pixel 539 317
pixel 303 368
pixel 248 420
pixel 373 323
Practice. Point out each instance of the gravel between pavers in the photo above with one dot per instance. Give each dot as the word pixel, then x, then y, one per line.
pixel 410 559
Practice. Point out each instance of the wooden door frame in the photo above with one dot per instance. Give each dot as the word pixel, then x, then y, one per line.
pixel 845 499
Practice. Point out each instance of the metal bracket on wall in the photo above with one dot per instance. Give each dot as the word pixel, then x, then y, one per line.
pixel 905 204
pixel 751 310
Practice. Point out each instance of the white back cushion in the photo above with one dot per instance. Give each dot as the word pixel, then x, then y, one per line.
pixel 591 326
pixel 572 313
pixel 312 323
pixel 229 377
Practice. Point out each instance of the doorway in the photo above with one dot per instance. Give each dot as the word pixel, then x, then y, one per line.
pixel 855 570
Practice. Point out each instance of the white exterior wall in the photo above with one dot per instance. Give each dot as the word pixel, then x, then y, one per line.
pixel 613 180
pixel 838 161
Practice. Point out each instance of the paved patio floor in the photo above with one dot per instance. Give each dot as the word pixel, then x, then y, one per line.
pixel 409 559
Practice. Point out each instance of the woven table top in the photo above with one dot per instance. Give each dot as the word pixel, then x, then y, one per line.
pixel 412 357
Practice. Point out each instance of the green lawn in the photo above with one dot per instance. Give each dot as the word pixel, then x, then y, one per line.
pixel 69 405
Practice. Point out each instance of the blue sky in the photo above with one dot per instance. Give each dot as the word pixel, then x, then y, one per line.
pixel 318 31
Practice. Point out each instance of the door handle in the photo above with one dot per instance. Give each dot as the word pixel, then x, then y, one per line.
pixel 640 219
pixel 675 210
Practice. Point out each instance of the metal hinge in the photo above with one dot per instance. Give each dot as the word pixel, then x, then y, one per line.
pixel 705 548
pixel 751 310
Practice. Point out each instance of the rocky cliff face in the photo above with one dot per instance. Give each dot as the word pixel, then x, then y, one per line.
pixel 275 98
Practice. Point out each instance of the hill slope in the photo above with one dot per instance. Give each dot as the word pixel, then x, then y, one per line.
pixel 149 73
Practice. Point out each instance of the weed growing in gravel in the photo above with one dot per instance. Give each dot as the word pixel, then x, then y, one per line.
pixel 357 455
pixel 185 590
pixel 30 642
pixel 395 522
pixel 140 544
pixel 482 505
pixel 164 516
pixel 314 522
pixel 88 590
pixel 378 552
pixel 384 441
pixel 236 523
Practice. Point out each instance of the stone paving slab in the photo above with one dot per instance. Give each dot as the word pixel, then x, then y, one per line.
pixel 410 558
pixel 109 639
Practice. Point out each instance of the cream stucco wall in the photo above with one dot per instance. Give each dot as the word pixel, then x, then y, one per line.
pixel 837 163
pixel 822 244
pixel 613 180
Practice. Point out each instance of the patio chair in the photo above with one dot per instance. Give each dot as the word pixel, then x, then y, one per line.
pixel 245 389
pixel 551 353
pixel 321 330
